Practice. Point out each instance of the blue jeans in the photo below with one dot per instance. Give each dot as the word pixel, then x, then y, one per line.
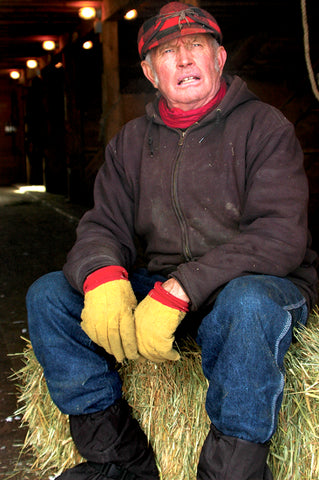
pixel 243 338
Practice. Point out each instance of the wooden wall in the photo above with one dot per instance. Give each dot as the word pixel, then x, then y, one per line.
pixel 12 158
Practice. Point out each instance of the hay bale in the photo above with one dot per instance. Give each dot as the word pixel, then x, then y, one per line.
pixel 168 401
pixel 295 446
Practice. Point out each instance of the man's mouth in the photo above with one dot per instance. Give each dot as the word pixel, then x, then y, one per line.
pixel 189 79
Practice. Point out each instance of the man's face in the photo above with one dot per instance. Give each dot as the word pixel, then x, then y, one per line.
pixel 186 70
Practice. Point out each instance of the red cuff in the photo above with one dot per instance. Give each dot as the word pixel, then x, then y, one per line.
pixel 103 275
pixel 163 296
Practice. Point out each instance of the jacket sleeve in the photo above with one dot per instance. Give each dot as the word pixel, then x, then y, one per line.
pixel 272 232
pixel 105 233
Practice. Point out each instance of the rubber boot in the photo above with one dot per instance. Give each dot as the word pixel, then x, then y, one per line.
pixel 230 458
pixel 114 446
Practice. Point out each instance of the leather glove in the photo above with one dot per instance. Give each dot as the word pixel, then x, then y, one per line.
pixel 107 316
pixel 156 319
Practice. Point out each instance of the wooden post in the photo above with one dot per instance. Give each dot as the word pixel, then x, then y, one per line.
pixel 111 96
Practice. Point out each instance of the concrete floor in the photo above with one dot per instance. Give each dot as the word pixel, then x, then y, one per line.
pixel 36 232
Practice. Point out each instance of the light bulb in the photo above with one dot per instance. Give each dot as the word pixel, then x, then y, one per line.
pixel 15 74
pixel 131 14
pixel 87 13
pixel 87 45
pixel 32 64
pixel 48 45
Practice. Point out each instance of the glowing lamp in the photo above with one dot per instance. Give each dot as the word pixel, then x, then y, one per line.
pixel 15 74
pixel 32 64
pixel 48 45
pixel 87 45
pixel 131 14
pixel 87 13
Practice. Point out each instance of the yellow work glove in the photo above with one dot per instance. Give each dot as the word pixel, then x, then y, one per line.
pixel 156 320
pixel 107 316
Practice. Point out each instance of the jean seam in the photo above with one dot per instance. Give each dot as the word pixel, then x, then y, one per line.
pixel 283 333
pixel 282 382
pixel 294 306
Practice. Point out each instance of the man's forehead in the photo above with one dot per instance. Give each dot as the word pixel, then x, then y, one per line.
pixel 184 39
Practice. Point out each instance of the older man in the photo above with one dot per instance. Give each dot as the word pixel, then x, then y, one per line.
pixel 211 182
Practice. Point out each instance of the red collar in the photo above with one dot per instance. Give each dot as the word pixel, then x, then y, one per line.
pixel 177 118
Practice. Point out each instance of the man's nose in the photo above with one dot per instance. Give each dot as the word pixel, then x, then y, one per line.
pixel 184 57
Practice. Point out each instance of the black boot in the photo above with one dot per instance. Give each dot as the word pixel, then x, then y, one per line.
pixel 88 471
pixel 114 445
pixel 230 458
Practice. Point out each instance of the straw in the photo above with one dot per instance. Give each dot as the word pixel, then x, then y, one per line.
pixel 295 446
pixel 169 402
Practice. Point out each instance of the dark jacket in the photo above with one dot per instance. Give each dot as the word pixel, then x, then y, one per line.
pixel 225 198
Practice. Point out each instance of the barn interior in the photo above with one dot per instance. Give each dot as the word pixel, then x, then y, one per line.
pixel 56 118
pixel 57 115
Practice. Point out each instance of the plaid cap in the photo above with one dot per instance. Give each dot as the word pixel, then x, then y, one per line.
pixel 174 20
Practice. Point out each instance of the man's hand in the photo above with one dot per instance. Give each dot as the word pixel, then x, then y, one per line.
pixel 174 288
pixel 107 318
pixel 156 319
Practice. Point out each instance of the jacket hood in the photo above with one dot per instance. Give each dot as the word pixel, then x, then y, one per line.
pixel 237 94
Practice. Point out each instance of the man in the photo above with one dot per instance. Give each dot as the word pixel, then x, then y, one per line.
pixel 211 182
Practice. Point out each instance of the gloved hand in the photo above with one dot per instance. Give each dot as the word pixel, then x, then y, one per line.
pixel 156 319
pixel 107 316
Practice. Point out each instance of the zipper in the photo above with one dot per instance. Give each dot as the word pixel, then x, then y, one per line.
pixel 182 138
pixel 182 134
pixel 176 205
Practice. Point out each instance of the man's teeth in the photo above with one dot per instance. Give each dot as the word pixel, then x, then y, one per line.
pixel 188 79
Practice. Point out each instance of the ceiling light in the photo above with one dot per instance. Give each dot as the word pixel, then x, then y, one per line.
pixel 87 13
pixel 15 74
pixel 87 45
pixel 32 63
pixel 48 45
pixel 131 14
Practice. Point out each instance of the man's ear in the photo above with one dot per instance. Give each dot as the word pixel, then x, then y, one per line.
pixel 148 72
pixel 221 58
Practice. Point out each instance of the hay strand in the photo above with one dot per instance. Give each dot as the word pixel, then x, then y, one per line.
pixel 168 400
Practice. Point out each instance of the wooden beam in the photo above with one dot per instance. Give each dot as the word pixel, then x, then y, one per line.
pixel 111 96
pixel 110 7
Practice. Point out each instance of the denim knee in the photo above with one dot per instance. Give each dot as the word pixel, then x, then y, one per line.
pixel 61 346
pixel 45 298
pixel 50 285
pixel 257 288
pixel 251 297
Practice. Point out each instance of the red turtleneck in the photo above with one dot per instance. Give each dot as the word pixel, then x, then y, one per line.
pixel 178 118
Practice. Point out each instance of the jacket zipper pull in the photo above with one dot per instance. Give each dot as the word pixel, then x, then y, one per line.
pixel 181 138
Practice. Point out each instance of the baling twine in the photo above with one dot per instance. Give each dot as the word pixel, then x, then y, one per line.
pixel 307 50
